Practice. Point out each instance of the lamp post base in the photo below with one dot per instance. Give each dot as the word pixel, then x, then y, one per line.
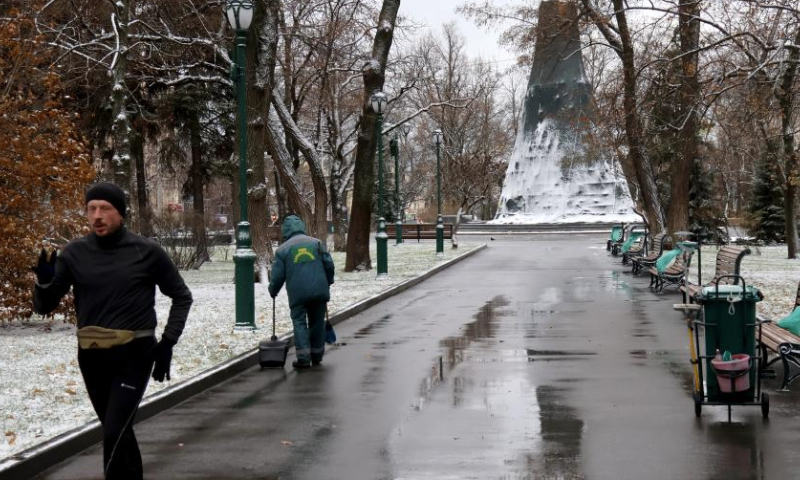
pixel 244 258
pixel 439 236
pixel 381 239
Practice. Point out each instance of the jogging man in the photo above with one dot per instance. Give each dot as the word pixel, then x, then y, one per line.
pixel 307 268
pixel 113 274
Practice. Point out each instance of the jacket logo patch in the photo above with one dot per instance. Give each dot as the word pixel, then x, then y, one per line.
pixel 302 255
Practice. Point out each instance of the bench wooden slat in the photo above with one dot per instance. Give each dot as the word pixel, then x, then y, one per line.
pixel 728 262
pixel 785 345
pixel 659 244
pixel 420 231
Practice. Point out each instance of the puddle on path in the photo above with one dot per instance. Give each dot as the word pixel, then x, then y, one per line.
pixel 454 347
pixel 523 429
pixel 561 435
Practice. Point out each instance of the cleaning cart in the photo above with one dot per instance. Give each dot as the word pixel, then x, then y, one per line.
pixel 726 361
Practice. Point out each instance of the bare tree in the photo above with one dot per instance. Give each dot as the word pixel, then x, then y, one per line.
pixel 689 28
pixel 618 36
pixel 373 74
pixel 477 139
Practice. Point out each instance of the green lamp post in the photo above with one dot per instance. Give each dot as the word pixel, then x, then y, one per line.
pixel 240 14
pixel 378 102
pixel 394 148
pixel 437 137
pixel 406 129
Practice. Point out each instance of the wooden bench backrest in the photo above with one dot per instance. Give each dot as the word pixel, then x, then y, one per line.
pixel 274 233
pixel 627 230
pixel 661 243
pixel 682 262
pixel 413 228
pixel 729 261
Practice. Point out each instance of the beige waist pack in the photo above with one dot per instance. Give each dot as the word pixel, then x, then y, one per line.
pixel 99 337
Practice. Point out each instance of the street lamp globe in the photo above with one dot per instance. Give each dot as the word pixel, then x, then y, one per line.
pixel 239 13
pixel 406 127
pixel 437 136
pixel 378 102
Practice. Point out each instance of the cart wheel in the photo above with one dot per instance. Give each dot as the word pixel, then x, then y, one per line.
pixel 764 404
pixel 698 403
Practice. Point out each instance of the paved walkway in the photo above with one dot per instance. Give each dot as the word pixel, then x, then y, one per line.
pixel 541 357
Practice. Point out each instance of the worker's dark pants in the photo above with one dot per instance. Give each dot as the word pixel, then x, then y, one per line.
pixel 308 320
pixel 116 379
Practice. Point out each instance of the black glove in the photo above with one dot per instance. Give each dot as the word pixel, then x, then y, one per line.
pixel 45 269
pixel 162 354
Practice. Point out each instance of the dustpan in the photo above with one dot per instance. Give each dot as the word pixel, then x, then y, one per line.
pixel 272 353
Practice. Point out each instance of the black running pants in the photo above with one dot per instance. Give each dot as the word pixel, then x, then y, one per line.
pixel 116 379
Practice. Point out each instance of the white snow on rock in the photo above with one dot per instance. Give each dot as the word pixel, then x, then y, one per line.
pixel 548 182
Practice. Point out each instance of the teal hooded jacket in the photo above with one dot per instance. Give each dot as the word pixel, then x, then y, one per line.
pixel 303 263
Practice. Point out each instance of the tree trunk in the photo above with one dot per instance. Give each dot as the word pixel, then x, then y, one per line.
pixel 785 95
pixel 290 184
pixel 292 187
pixel 236 213
pixel 257 108
pixel 678 215
pixel 280 194
pixel 145 215
pixel 319 228
pixel 339 172
pixel 373 73
pixel 456 224
pixel 338 209
pixel 196 171
pixel 633 127
pixel 121 160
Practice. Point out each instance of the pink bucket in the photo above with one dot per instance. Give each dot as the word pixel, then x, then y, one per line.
pixel 737 369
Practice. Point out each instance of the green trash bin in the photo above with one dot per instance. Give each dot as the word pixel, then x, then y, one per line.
pixel 729 317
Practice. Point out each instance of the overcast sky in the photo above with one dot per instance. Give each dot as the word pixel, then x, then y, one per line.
pixel 478 41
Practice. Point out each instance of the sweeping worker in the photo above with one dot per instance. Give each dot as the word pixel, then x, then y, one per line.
pixel 113 274
pixel 303 263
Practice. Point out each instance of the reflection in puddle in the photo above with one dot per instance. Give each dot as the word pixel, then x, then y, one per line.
pixel 368 330
pixel 454 347
pixel 646 353
pixel 561 434
pixel 736 451
pixel 557 355
pixel 553 353
pixel 515 427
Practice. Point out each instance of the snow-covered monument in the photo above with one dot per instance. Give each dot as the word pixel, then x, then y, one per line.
pixel 552 176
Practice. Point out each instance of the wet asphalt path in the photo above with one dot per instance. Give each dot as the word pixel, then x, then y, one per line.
pixel 541 357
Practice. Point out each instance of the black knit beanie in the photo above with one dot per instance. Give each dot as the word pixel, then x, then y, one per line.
pixel 110 193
